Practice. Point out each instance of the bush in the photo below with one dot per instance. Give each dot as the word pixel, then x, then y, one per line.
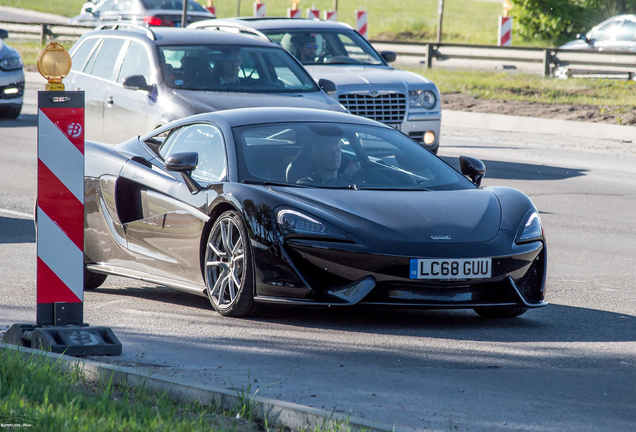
pixel 560 20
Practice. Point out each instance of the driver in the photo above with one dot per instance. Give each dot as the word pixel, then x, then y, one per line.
pixel 228 68
pixel 306 48
pixel 328 156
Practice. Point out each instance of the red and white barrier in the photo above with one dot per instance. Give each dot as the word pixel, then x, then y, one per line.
pixel 330 15
pixel 313 13
pixel 60 212
pixel 259 9
pixel 361 23
pixel 293 13
pixel 504 36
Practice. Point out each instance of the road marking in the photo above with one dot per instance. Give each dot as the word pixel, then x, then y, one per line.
pixel 15 213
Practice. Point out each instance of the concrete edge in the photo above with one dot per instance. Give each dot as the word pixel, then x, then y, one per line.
pixel 538 125
pixel 275 412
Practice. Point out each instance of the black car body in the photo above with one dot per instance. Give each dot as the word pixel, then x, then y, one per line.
pixel 212 204
pixel 136 79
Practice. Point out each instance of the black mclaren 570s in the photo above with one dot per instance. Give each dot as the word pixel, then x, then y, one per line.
pixel 299 207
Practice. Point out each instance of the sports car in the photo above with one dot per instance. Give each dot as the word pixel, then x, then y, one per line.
pixel 260 207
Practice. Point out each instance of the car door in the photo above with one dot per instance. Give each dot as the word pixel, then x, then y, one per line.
pixel 167 227
pixel 125 111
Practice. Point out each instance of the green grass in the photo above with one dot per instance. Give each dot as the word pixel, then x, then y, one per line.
pixel 49 398
pixel 465 21
pixel 533 88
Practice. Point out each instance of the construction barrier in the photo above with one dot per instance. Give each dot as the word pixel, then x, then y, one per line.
pixel 504 37
pixel 361 23
pixel 330 15
pixel 259 9
pixel 313 13
pixel 293 13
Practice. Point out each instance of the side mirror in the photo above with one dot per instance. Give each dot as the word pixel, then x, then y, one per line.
pixel 4 34
pixel 329 87
pixel 184 163
pixel 583 37
pixel 389 56
pixel 136 82
pixel 89 10
pixel 472 168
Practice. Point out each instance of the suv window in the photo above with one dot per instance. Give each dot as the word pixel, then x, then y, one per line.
pixel 136 62
pixel 207 141
pixel 107 56
pixel 81 54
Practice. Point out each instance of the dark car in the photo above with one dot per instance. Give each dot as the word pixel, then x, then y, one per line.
pixel 367 85
pixel 11 79
pixel 614 34
pixel 137 79
pixel 299 207
pixel 148 12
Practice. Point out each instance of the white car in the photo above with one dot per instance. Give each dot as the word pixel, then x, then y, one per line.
pixel 367 85
pixel 11 80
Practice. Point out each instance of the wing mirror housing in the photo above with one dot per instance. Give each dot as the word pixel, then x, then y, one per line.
pixel 185 163
pixel 472 168
pixel 584 38
pixel 328 86
pixel 388 56
pixel 136 82
pixel 4 34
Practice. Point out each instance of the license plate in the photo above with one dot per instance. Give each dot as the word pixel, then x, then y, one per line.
pixel 470 268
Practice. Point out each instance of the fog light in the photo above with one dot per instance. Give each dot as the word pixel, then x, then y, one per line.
pixel 429 137
pixel 11 90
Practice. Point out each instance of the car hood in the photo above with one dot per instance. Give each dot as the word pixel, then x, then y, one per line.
pixel 365 75
pixel 200 101
pixel 461 216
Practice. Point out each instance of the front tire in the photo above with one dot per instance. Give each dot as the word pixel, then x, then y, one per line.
pixel 500 312
pixel 228 268
pixel 92 280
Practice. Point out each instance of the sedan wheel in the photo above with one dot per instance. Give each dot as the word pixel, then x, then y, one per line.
pixel 228 267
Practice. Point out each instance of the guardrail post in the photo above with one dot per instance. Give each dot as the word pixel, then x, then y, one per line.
pixel 44 33
pixel 430 52
pixel 547 60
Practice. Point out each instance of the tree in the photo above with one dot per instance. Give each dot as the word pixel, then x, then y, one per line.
pixel 561 20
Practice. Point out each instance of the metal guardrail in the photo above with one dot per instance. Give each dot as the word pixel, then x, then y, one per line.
pixel 569 62
pixel 564 62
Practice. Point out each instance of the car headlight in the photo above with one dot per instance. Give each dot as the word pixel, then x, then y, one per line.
pixel 11 62
pixel 531 229
pixel 294 222
pixel 422 99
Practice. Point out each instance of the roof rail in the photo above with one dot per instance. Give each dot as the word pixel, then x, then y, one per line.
pixel 229 26
pixel 118 25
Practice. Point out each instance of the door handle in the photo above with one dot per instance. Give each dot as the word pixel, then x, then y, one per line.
pixel 110 101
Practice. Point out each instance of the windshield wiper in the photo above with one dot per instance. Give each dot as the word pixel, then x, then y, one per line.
pixel 393 188
pixel 272 183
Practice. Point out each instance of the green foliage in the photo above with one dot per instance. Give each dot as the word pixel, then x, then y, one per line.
pixel 560 20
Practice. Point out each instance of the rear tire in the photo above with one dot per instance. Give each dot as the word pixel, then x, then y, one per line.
pixel 93 280
pixel 228 268
pixel 500 312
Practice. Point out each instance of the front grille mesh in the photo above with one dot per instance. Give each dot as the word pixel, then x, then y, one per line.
pixel 384 108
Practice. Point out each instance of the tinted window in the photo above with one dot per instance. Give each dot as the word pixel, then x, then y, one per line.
pixel 172 5
pixel 234 69
pixel 81 54
pixel 106 58
pixel 136 62
pixel 207 141
pixel 296 153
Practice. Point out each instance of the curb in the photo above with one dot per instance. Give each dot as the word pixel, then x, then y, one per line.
pixel 538 125
pixel 275 412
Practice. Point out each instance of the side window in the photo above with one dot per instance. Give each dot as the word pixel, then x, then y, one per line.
pixel 207 141
pixel 106 6
pixel 627 32
pixel 81 54
pixel 136 62
pixel 107 56
pixel 607 32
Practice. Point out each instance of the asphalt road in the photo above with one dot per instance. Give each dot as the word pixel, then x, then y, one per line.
pixel 570 366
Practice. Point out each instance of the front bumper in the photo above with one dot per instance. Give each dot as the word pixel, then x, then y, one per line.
pixel 416 125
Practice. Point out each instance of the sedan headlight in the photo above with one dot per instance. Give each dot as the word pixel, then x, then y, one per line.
pixel 11 62
pixel 294 222
pixel 422 99
pixel 531 229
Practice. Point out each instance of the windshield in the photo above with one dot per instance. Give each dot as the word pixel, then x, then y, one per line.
pixel 175 5
pixel 233 69
pixel 336 155
pixel 327 47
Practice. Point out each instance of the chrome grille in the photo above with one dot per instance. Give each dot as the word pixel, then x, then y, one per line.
pixel 384 108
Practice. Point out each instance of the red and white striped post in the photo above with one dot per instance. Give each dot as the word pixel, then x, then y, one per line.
pixel 60 211
pixel 504 35
pixel 259 9
pixel 313 13
pixel 361 23
pixel 330 15
pixel 211 8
